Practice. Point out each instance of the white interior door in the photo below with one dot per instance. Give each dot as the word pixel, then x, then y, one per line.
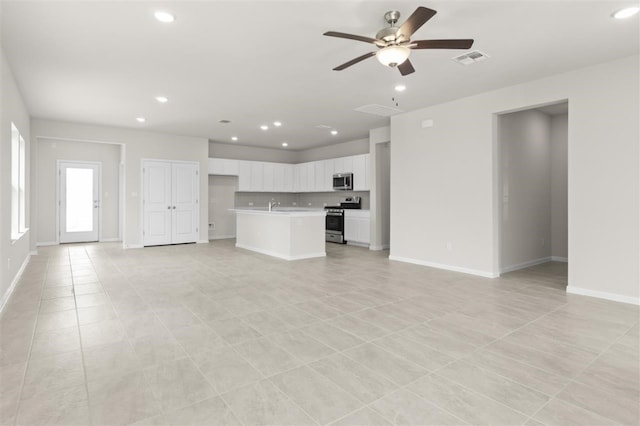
pixel 79 203
pixel 185 188
pixel 170 202
pixel 156 200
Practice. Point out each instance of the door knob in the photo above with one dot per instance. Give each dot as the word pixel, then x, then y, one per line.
pixel 174 207
pixel 168 207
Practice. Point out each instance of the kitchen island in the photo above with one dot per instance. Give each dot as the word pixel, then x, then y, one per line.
pixel 286 233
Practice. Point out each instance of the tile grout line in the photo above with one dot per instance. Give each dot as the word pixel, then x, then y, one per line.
pixel 574 380
pixel 28 361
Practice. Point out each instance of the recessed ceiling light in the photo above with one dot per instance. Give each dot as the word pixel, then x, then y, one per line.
pixel 234 138
pixel 141 119
pixel 400 88
pixel 277 123
pixel 163 16
pixel 285 144
pixel 162 99
pixel 627 12
pixel 334 132
pixel 264 127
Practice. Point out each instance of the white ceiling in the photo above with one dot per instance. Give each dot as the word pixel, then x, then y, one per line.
pixel 254 62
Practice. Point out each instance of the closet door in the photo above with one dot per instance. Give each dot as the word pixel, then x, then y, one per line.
pixel 157 205
pixel 184 192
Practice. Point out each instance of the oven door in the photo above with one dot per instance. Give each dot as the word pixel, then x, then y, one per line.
pixel 335 223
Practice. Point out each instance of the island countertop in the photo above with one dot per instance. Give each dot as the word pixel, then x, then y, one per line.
pixel 289 211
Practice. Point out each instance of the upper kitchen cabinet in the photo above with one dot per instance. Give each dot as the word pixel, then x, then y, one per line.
pixel 361 172
pixel 314 176
pixel 223 166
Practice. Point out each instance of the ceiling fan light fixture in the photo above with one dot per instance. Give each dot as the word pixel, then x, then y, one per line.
pixel 164 16
pixel 392 56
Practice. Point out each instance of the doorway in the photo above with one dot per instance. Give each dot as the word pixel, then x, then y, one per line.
pixel 532 188
pixel 79 201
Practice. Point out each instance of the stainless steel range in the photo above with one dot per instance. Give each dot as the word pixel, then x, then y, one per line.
pixel 334 229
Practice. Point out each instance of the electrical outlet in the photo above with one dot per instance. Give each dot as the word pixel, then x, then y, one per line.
pixel 309 204
pixel 250 203
pixel 294 203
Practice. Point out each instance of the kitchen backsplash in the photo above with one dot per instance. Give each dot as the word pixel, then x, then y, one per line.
pixel 309 199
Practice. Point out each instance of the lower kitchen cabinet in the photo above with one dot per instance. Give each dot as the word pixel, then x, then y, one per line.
pixel 356 226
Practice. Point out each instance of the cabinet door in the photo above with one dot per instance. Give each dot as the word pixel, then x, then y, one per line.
pixel 351 229
pixel 338 166
pixel 302 178
pixel 256 176
pixel 216 166
pixel 320 184
pixel 364 230
pixel 348 164
pixel 311 177
pixel 230 167
pixel 328 174
pixel 288 178
pixel 244 176
pixel 268 177
pixel 278 177
pixel 360 172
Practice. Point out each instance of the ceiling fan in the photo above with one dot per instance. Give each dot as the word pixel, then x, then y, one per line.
pixel 394 43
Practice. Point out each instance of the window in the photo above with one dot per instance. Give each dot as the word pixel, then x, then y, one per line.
pixel 18 184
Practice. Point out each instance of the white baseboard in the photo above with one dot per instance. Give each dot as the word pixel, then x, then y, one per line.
pixel 603 295
pixel 357 244
pixel 280 255
pixel 379 248
pixel 526 264
pixel 49 243
pixel 110 240
pixel 479 273
pixel 132 246
pixel 7 295
pixel 202 242
pixel 560 259
pixel 221 237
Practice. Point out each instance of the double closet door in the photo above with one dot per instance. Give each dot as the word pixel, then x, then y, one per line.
pixel 170 202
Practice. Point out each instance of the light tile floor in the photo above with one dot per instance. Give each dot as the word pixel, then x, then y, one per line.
pixel 210 334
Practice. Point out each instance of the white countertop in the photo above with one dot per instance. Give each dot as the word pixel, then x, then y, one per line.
pixel 281 211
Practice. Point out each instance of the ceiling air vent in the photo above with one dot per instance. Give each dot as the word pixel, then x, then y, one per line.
pixel 380 110
pixel 471 57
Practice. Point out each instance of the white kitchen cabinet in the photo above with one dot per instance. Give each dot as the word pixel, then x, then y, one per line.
pixel 257 178
pixel 288 177
pixel 319 184
pixel 302 178
pixel 360 172
pixel 311 177
pixel 328 174
pixel 223 166
pixel 278 177
pixel 268 177
pixel 356 226
pixel 244 175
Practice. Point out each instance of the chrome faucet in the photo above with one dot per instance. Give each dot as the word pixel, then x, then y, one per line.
pixel 272 204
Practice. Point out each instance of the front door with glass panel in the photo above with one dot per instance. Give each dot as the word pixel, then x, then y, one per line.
pixel 79 201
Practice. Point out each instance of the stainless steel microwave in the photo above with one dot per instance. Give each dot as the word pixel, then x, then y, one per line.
pixel 343 181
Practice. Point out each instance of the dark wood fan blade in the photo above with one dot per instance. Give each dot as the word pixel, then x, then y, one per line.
pixel 354 61
pixel 443 44
pixel 406 67
pixel 350 36
pixel 415 21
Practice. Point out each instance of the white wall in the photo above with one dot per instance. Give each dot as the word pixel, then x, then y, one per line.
pixel 450 171
pixel 524 145
pixel 13 255
pixel 49 153
pixel 252 153
pixel 559 214
pixel 222 198
pixel 380 209
pixel 345 149
pixel 138 145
